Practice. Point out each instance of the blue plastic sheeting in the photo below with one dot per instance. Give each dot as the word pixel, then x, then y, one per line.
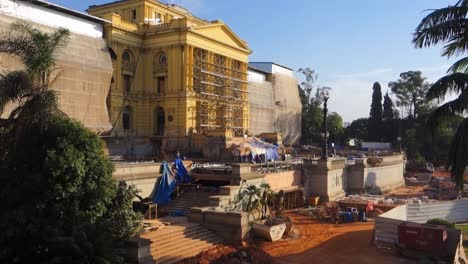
pixel 270 151
pixel 166 186
pixel 181 172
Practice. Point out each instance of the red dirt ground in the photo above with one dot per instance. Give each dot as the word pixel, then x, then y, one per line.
pixel 327 243
pixel 317 242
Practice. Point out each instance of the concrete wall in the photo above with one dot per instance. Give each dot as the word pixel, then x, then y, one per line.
pixel 142 175
pixel 84 64
pixel 233 226
pixel 384 178
pixel 325 179
pixel 380 179
pixel 274 102
pixel 262 105
pixel 331 179
pixel 284 180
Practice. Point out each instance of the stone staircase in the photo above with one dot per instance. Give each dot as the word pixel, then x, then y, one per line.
pixel 190 199
pixel 179 241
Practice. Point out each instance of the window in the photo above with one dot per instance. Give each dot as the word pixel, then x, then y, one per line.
pixel 157 17
pixel 134 15
pixel 127 118
pixel 163 59
pixel 127 58
pixel 159 121
pixel 161 84
pixel 127 83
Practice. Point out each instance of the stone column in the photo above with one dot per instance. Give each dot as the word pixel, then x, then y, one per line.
pixel 325 178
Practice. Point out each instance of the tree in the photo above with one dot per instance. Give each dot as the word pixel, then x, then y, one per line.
pixel 410 91
pixel 27 89
pixel 449 25
pixel 312 115
pixel 59 201
pixel 335 126
pixel 357 129
pixel 389 112
pixel 375 116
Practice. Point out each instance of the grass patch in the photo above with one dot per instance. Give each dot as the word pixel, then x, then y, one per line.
pixel 464 229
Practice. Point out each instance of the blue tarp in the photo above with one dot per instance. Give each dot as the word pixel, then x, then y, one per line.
pixel 162 191
pixel 182 173
pixel 166 186
pixel 270 150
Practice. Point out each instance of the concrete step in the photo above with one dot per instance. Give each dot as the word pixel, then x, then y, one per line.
pixel 230 190
pixel 195 235
pixel 191 252
pixel 181 240
pixel 175 243
pixel 178 246
pixel 169 232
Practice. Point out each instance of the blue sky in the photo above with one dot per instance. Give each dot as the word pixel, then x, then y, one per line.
pixel 350 44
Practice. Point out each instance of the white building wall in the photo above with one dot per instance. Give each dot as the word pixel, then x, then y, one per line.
pixel 44 16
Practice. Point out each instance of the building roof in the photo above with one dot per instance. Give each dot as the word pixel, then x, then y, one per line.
pixel 65 10
pixel 253 68
pixel 270 62
pixel 175 7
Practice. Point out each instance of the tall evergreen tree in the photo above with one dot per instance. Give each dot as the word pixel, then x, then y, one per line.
pixel 388 109
pixel 375 117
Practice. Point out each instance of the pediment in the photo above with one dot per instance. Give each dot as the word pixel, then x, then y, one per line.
pixel 222 33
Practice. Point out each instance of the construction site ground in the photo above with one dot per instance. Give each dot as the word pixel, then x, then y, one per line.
pixel 312 241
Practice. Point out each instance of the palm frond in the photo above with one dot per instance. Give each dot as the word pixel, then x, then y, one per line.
pixel 460 10
pixel 39 108
pixel 458 154
pixel 452 83
pixel 458 45
pixel 459 66
pixel 457 106
pixel 13 86
pixel 450 31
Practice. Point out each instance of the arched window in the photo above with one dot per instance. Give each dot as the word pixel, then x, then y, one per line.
pixel 159 121
pixel 127 58
pixel 160 72
pixel 127 118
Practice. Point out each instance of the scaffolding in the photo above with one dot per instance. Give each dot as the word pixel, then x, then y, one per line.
pixel 220 86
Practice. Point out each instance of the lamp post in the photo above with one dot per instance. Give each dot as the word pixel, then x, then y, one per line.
pixel 325 129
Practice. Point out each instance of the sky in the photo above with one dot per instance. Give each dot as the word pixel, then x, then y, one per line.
pixel 350 44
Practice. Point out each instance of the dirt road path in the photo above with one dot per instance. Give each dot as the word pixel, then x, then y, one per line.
pixel 327 243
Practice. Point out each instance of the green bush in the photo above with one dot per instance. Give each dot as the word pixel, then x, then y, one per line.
pixel 442 222
pixel 59 201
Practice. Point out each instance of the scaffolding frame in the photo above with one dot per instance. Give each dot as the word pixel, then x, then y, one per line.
pixel 220 87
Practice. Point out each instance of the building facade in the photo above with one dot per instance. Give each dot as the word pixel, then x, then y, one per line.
pixel 84 67
pixel 175 76
pixel 275 105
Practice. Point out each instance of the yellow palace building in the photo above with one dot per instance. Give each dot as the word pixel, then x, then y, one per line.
pixel 177 78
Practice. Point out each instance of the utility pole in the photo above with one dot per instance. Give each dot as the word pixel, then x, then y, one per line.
pixel 325 129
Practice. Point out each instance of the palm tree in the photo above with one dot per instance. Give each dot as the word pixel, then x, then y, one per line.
pixel 449 25
pixel 27 90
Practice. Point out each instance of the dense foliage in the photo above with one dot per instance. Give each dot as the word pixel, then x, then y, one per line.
pixel 375 116
pixel 312 99
pixel 411 90
pixel 59 201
